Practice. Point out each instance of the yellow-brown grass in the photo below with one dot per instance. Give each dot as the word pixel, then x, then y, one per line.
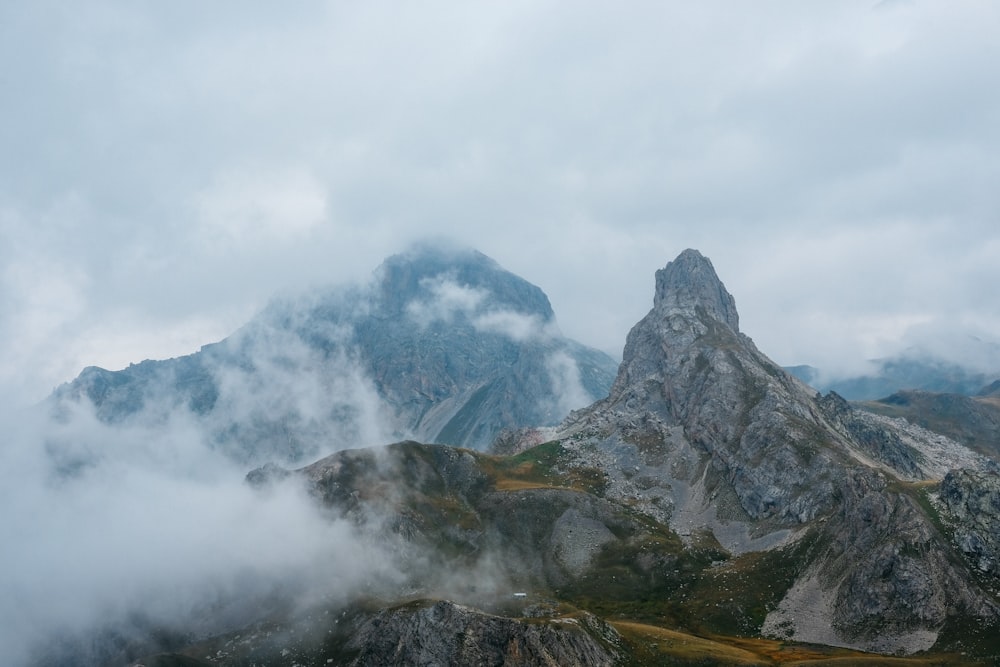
pixel 746 651
pixel 682 645
pixel 507 484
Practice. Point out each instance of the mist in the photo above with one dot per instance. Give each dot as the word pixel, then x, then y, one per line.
pixel 103 523
pixel 128 519
pixel 133 520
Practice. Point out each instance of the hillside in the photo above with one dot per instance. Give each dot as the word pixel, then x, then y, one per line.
pixel 443 346
pixel 711 510
pixel 973 421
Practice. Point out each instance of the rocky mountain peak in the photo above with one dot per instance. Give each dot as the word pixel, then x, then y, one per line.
pixel 690 282
pixel 458 279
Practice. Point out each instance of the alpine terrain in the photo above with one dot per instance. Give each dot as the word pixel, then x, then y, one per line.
pixel 444 346
pixel 711 509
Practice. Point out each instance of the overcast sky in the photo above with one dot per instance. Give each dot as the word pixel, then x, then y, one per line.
pixel 167 167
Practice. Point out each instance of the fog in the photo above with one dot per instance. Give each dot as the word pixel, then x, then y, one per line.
pixel 125 522
pixel 132 518
pixel 101 524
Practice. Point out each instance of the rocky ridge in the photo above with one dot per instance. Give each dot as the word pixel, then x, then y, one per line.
pixel 444 346
pixel 444 633
pixel 971 502
pixel 703 431
pixel 973 421
pixel 710 493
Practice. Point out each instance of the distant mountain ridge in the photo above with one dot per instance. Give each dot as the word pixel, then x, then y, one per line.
pixel 444 345
pixel 908 372
pixel 973 421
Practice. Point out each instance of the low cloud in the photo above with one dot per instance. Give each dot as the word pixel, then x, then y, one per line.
pixel 516 326
pixel 447 299
pixel 567 386
pixel 295 401
pixel 103 525
pixel 968 346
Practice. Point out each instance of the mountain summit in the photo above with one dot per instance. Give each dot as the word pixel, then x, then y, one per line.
pixel 710 493
pixel 705 433
pixel 689 282
pixel 443 345
pixel 417 276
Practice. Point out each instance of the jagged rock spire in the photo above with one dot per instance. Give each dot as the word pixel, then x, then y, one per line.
pixel 689 282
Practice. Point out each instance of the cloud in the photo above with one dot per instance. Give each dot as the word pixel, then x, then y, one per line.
pixel 567 386
pixel 218 156
pixel 289 400
pixel 446 300
pixel 516 326
pixel 103 524
pixel 261 206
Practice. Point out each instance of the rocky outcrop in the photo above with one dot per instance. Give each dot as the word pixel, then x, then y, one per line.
pixel 444 633
pixel 971 421
pixel 704 431
pixel 971 500
pixel 883 580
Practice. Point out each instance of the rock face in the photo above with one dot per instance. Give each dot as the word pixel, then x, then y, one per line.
pixel 973 421
pixel 971 500
pixel 444 633
pixel 444 346
pixel 704 432
pixel 710 491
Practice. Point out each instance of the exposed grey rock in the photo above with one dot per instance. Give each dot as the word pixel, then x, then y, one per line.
pixel 891 574
pixel 703 430
pixel 971 500
pixel 444 633
pixel 443 346
pixel 972 421
pixel 686 364
pixel 266 475
pixel 990 390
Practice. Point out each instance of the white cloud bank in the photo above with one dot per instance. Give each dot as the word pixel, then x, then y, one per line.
pixel 102 524
pixel 180 164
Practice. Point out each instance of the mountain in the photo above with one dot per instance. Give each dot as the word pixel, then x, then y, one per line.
pixel 706 433
pixel 973 421
pixel 712 509
pixel 992 390
pixel 444 346
pixel 912 370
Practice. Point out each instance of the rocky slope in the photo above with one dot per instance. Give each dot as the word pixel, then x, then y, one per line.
pixel 710 495
pixel 444 346
pixel 971 504
pixel 705 433
pixel 420 632
pixel 973 421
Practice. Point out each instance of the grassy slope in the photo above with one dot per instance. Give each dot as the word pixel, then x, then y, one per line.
pixel 673 604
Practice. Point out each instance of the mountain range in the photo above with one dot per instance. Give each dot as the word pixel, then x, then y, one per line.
pixel 443 345
pixel 705 508
pixel 913 370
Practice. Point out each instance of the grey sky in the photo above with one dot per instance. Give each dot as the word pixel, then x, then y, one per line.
pixel 165 168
